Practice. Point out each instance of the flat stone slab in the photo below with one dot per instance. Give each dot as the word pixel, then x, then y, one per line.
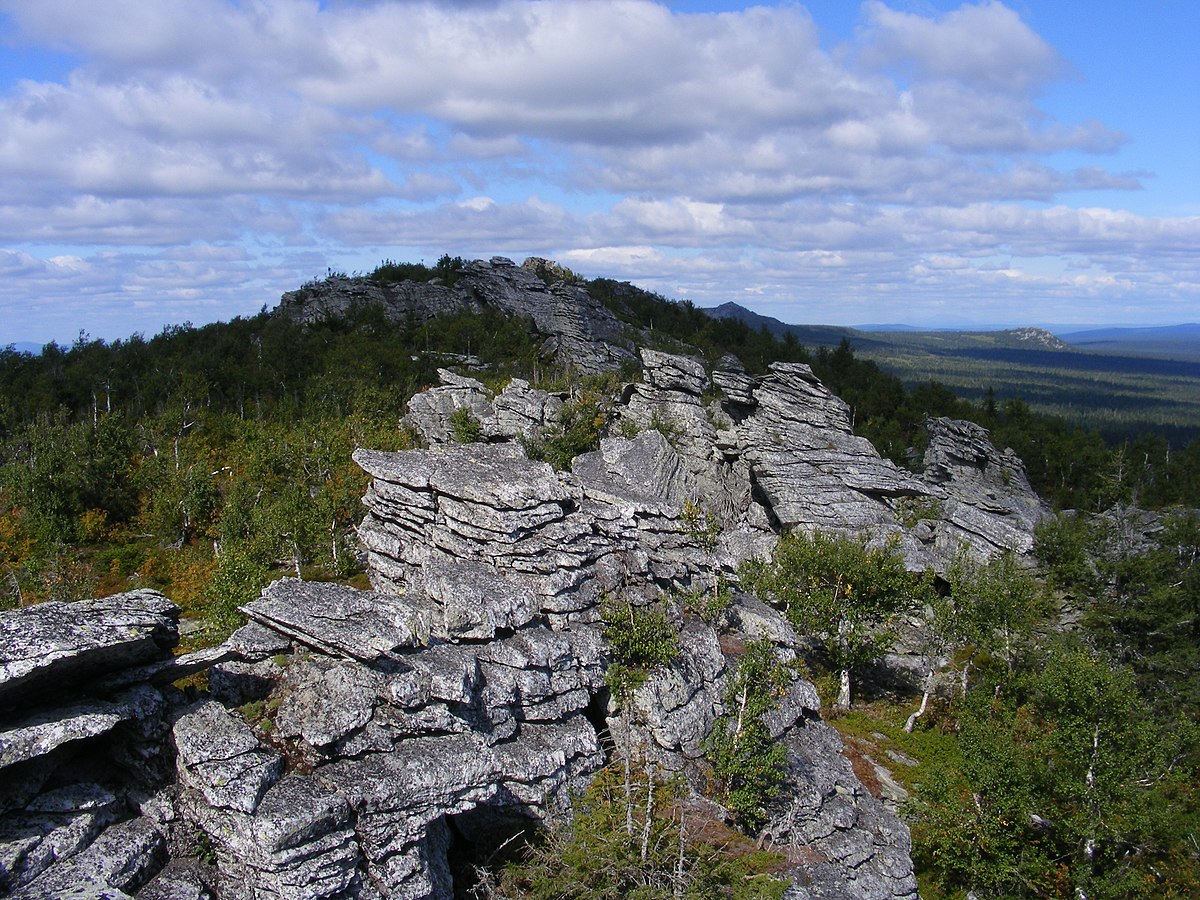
pixel 50 647
pixel 51 728
pixel 344 621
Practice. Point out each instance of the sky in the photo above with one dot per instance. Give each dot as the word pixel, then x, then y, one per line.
pixel 942 164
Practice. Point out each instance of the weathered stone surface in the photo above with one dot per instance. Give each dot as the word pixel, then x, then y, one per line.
pixel 583 333
pixel 356 624
pixel 519 412
pixel 477 600
pixel 670 399
pixel 580 332
pixel 56 825
pixel 220 757
pixel 812 470
pixel 115 865
pixel 523 411
pixel 471 683
pixel 298 843
pixel 983 497
pixel 50 648
pixel 322 700
pixel 55 727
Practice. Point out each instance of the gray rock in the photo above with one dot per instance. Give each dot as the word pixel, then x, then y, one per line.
pixel 219 756
pixel 54 826
pixel 984 499
pixel 813 471
pixel 322 700
pixel 477 600
pixel 115 865
pixel 343 621
pixel 431 411
pixel 580 332
pixel 55 727
pixel 52 647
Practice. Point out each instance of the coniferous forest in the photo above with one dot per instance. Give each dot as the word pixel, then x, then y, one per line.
pixel 208 461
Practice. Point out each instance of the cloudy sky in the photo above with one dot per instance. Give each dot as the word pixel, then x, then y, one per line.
pixel 914 161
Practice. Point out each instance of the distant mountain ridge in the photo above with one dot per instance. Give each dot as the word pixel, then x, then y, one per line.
pixel 25 347
pixel 867 337
pixel 1189 331
pixel 818 335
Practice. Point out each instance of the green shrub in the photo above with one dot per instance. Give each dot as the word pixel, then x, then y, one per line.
pixel 702 525
pixel 464 427
pixel 644 845
pixel 840 590
pixel 638 638
pixel 748 764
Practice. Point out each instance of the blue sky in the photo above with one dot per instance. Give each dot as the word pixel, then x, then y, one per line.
pixel 935 163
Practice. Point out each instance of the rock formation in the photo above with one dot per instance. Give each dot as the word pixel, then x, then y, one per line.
pixel 579 331
pixel 519 412
pixel 356 743
pixel 375 743
pixel 84 744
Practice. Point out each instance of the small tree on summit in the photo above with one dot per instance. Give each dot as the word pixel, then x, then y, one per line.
pixel 840 590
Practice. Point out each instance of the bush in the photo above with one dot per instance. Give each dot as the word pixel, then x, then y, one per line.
pixel 748 764
pixel 464 427
pixel 839 590
pixel 651 854
pixel 639 638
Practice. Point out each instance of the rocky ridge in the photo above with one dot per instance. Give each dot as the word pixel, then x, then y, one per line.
pixel 578 331
pixel 374 743
pixel 759 454
pixel 356 743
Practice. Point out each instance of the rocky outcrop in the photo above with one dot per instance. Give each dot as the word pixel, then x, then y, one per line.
pixel 497 545
pixel 362 743
pixel 813 472
pixel 580 333
pixel 778 453
pixel 518 413
pixel 981 497
pixel 83 754
pixel 368 734
pixel 495 539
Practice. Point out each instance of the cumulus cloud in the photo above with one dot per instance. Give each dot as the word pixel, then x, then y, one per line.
pixel 723 153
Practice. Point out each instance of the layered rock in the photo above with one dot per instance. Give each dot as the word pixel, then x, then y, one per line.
pixel 580 332
pixel 779 453
pixel 671 398
pixel 982 495
pixel 496 539
pixel 358 754
pixel 354 742
pixel 535 551
pixel 518 413
pixel 81 747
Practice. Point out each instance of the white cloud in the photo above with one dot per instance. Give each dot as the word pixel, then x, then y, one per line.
pixel 721 153
pixel 981 46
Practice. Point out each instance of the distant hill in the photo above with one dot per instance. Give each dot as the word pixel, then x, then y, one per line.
pixel 1187 332
pixel 809 335
pixel 24 347
pixel 1122 380
pixel 1170 341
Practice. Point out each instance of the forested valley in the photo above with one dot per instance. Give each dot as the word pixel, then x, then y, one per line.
pixel 208 461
